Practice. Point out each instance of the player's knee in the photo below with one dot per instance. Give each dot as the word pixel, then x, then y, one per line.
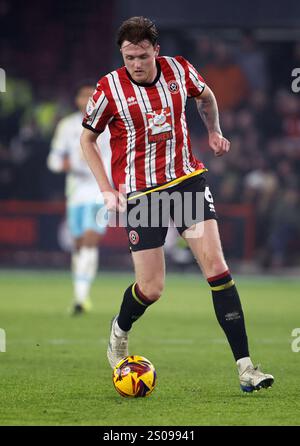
pixel 216 266
pixel 152 290
pixel 91 239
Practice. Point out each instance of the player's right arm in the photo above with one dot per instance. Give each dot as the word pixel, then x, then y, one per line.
pixel 98 114
pixel 208 110
pixel 113 199
pixel 207 106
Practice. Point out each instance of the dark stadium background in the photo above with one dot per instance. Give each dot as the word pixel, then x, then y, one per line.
pixel 47 47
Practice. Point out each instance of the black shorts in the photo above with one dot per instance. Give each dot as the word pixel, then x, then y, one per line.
pixel 148 217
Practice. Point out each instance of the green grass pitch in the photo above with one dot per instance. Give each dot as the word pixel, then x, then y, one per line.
pixel 55 372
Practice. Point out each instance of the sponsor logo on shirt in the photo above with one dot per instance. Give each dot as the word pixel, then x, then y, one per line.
pixel 159 125
pixel 131 101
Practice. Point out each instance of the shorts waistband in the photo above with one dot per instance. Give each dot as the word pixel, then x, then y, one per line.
pixel 167 185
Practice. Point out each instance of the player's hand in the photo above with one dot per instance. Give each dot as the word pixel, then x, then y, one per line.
pixel 114 201
pixel 218 143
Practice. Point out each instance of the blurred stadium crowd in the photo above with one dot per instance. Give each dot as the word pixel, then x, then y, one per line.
pixel 251 79
pixel 260 115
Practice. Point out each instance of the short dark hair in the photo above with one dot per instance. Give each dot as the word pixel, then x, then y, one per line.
pixel 83 83
pixel 137 29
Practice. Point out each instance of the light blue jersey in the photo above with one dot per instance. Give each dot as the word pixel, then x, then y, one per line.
pixel 81 186
pixel 83 195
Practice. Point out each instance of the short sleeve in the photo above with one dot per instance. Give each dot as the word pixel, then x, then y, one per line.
pixel 194 82
pixel 59 143
pixel 98 112
pixel 59 147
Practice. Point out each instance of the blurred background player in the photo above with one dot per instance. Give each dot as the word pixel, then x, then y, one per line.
pixel 84 199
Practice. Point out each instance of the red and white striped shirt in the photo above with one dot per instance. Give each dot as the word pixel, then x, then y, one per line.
pixel 150 140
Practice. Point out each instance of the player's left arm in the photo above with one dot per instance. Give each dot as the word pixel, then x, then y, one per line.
pixel 208 110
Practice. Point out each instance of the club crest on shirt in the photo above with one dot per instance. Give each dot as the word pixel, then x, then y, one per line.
pixel 159 125
pixel 173 87
pixel 134 237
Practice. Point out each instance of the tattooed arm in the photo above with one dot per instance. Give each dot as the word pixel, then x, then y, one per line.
pixel 208 110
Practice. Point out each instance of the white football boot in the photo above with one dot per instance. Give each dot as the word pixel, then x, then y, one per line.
pixel 117 348
pixel 253 378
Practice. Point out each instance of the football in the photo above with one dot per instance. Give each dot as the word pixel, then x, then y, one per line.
pixel 134 376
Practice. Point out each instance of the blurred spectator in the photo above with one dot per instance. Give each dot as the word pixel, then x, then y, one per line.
pixel 285 227
pixel 17 98
pixel 7 173
pixel 260 186
pixel 288 106
pixel 29 148
pixel 226 78
pixel 286 174
pixel 203 50
pixel 252 61
pixel 267 120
